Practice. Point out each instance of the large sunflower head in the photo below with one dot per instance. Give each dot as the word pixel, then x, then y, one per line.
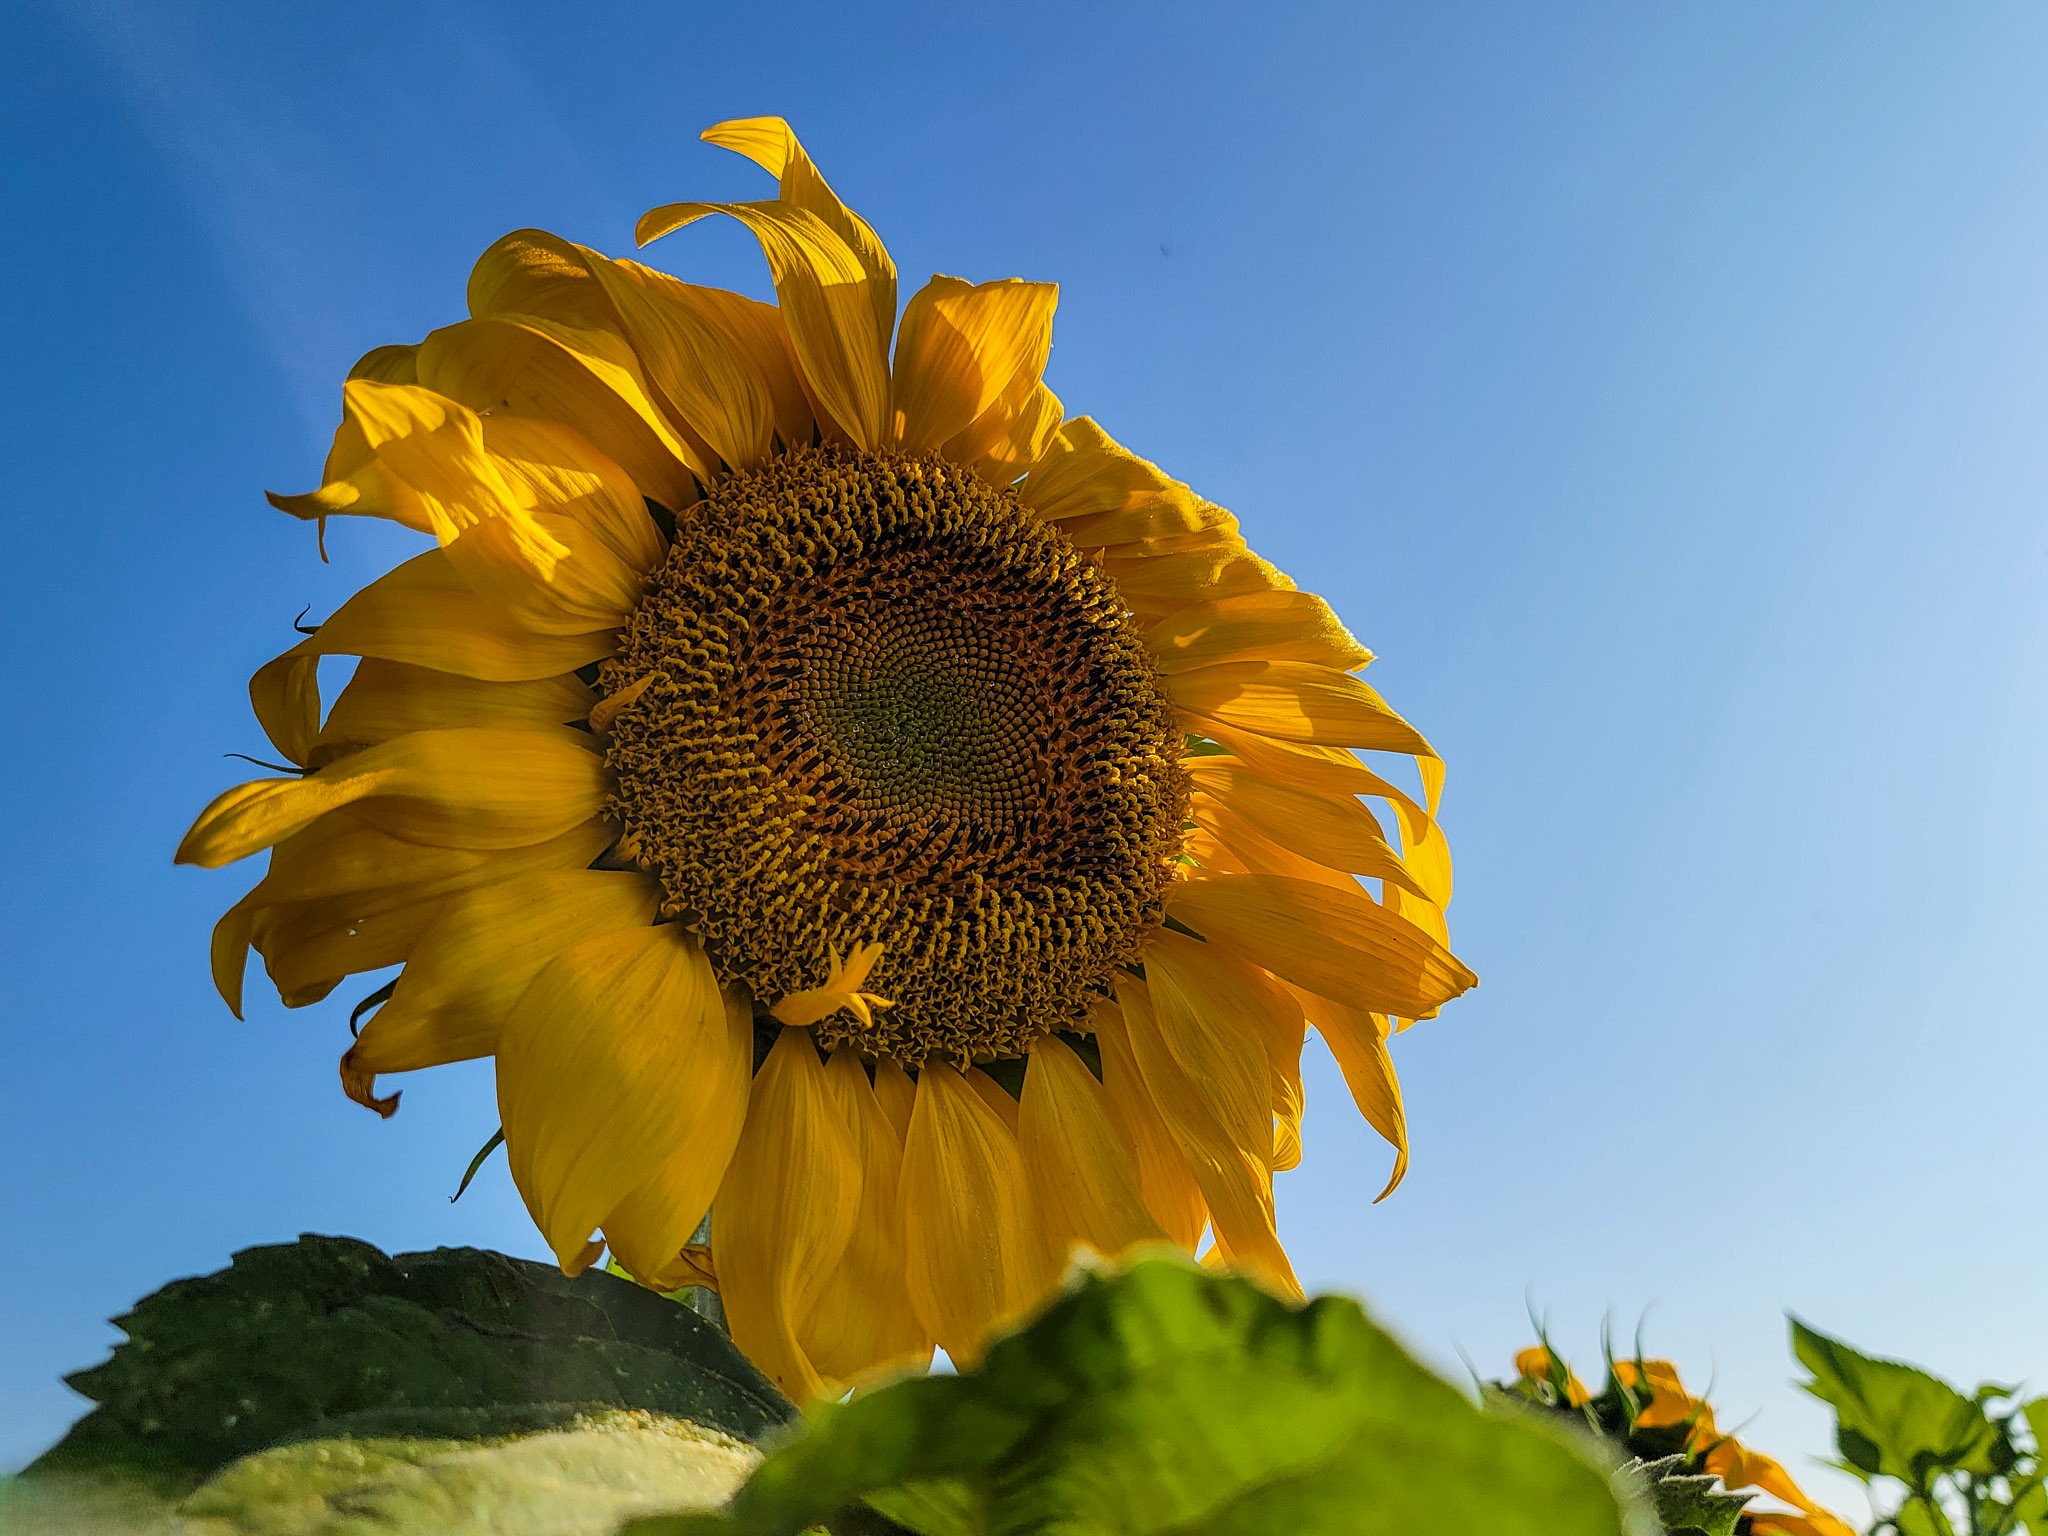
pixel 845 794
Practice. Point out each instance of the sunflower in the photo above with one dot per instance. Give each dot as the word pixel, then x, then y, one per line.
pixel 1648 1408
pixel 845 794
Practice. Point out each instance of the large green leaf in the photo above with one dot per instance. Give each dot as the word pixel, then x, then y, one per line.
pixel 1167 1398
pixel 1892 1418
pixel 328 1336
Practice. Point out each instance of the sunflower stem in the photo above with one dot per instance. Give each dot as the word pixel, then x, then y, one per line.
pixel 700 1300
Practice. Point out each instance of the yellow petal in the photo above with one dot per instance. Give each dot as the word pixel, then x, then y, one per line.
pixel 861 1323
pixel 588 589
pixel 471 964
pixel 1168 1189
pixel 1084 1189
pixel 1324 941
pixel 970 1260
pixel 229 951
pixel 1333 831
pixel 389 365
pixel 1294 701
pixel 964 347
pixel 897 1095
pixel 1221 842
pixel 722 364
pixel 1156 580
pixel 994 1095
pixel 1739 1467
pixel 1010 436
pixel 786 1212
pixel 771 144
pixel 580 493
pixel 1288 1101
pixel 1201 1034
pixel 532 272
pixel 1100 493
pixel 389 698
pixel 648 1230
pixel 1358 1040
pixel 828 303
pixel 434 447
pixel 424 613
pixel 469 787
pixel 326 908
pixel 841 989
pixel 586 379
pixel 622 1073
pixel 1255 626
pixel 1333 770
pixel 1419 910
pixel 308 947
pixel 344 856
pixel 354 482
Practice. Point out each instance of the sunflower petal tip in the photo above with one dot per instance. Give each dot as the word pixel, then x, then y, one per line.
pixel 361 1086
pixel 311 506
pixel 193 850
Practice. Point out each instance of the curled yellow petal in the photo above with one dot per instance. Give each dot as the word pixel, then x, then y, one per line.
pixel 722 364
pixel 1325 941
pixel 470 787
pixel 588 379
pixel 828 303
pixel 470 966
pixel 841 989
pixel 424 613
pixel 434 447
pixel 1358 1040
pixel 1335 771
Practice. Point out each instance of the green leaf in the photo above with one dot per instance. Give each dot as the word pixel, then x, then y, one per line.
pixel 328 1336
pixel 2035 1412
pixel 1917 1517
pixel 1167 1398
pixel 1894 1419
pixel 2030 1491
pixel 1687 1503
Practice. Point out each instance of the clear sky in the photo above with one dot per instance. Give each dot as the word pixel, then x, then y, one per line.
pixel 1662 391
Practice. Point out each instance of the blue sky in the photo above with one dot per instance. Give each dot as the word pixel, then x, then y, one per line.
pixel 1660 391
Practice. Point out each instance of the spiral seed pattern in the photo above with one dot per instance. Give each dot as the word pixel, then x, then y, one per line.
pixel 883 701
